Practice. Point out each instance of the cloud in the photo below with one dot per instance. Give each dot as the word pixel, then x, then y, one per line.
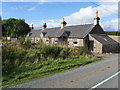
pixel 111 25
pixel 41 2
pixel 53 23
pixel 32 8
pixel 50 23
pixel 86 15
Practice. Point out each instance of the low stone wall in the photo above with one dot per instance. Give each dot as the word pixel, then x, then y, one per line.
pixel 116 38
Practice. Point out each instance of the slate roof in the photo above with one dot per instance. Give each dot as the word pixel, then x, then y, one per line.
pixel 104 39
pixel 78 31
pixel 51 32
pixel 35 33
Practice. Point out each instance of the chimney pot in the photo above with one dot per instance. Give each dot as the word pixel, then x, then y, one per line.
pixel 63 23
pixel 96 18
pixel 44 26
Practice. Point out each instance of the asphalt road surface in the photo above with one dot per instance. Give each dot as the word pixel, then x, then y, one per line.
pixel 103 74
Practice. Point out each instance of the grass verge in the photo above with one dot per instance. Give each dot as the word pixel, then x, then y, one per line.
pixel 47 68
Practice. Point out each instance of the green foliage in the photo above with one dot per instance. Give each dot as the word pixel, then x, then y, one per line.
pixel 46 67
pixel 83 50
pixel 51 51
pixel 25 43
pixel 31 54
pixel 14 27
pixel 23 59
pixel 16 56
pixel 65 53
pixel 116 33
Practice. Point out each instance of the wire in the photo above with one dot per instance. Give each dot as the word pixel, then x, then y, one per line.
pixel 101 6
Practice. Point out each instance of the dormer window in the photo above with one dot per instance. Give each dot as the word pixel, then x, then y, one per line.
pixel 44 33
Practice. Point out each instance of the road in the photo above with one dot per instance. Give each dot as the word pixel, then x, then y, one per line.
pixel 88 76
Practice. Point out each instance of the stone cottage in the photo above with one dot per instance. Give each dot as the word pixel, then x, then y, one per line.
pixel 89 35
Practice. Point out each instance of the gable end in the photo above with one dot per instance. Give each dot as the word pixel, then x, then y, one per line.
pixel 97 30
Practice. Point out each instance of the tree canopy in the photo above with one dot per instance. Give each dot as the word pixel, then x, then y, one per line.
pixel 14 27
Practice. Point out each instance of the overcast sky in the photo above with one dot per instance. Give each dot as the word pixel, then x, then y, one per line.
pixel 75 13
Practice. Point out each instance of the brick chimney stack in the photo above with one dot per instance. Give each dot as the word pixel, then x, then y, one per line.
pixel 96 18
pixel 63 23
pixel 44 26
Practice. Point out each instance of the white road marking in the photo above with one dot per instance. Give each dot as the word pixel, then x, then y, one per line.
pixel 104 81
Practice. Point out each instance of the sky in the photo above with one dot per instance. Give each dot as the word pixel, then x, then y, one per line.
pixel 75 13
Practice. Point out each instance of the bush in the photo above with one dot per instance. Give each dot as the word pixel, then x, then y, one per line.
pixel 65 53
pixel 23 57
pixel 83 51
pixel 31 54
pixel 50 51
pixel 74 53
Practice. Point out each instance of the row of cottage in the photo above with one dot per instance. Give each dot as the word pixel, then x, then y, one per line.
pixel 89 35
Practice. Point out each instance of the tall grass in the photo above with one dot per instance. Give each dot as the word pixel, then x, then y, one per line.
pixel 20 61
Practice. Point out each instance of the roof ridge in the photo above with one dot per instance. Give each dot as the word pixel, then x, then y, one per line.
pixel 70 26
pixel 79 25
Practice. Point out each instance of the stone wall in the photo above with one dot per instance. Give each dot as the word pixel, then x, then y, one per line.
pixel 97 46
pixel 52 41
pixel 116 38
pixel 80 42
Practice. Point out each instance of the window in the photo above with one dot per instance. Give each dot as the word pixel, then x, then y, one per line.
pixel 56 39
pixel 47 39
pixel 74 41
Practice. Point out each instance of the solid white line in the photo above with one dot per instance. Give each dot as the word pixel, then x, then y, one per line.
pixel 104 81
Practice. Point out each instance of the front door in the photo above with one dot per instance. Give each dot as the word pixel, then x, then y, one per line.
pixel 91 45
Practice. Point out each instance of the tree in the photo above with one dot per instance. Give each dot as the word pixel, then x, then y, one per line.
pixel 14 27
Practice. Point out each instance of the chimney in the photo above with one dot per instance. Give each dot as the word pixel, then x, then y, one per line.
pixel 31 26
pixel 44 26
pixel 63 23
pixel 96 18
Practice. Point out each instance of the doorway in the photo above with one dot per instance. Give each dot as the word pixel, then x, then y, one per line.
pixel 91 45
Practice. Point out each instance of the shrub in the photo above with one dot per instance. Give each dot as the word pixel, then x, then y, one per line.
pixel 31 55
pixel 83 51
pixel 65 52
pixel 55 52
pixel 74 53
pixel 27 56
pixel 50 51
